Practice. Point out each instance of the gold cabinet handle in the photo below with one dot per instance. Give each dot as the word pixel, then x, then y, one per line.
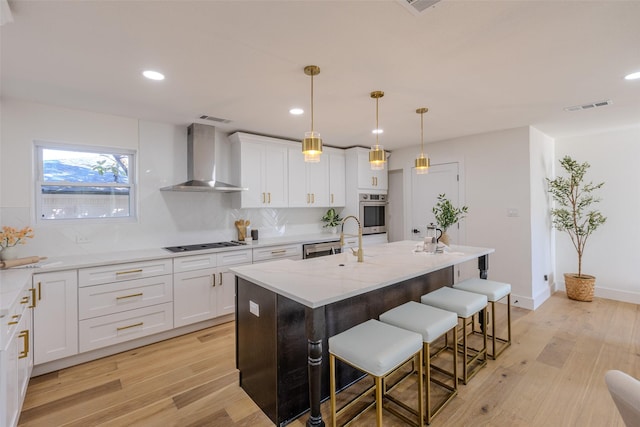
pixel 39 291
pixel 331 198
pixel 33 298
pixel 308 198
pixel 281 251
pixel 122 328
pixel 269 197
pixel 313 197
pixel 24 300
pixel 264 198
pixel 130 296
pixel 14 322
pixel 213 280
pixel 25 336
pixel 220 278
pixel 139 270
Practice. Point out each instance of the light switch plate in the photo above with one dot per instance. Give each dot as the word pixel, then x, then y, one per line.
pixel 254 308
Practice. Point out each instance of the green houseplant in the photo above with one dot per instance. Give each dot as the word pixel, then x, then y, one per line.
pixel 447 215
pixel 574 214
pixel 331 219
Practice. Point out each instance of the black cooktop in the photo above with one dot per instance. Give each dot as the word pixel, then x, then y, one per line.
pixel 202 246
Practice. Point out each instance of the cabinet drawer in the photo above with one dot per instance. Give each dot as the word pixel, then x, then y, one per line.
pixel 234 257
pixel 277 252
pixel 9 323
pixel 112 298
pixel 121 272
pixel 194 262
pixel 120 327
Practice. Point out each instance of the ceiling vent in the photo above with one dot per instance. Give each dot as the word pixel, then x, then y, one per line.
pixel 417 7
pixel 214 119
pixel 588 106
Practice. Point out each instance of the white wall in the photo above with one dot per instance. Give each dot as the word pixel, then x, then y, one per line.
pixel 495 175
pixel 612 251
pixel 165 218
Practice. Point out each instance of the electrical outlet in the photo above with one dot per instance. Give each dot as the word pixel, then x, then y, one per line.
pixel 546 277
pixel 513 213
pixel 80 239
pixel 254 308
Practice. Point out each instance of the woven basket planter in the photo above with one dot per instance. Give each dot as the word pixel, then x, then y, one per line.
pixel 579 288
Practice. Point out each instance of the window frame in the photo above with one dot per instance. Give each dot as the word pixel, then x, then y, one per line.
pixel 40 145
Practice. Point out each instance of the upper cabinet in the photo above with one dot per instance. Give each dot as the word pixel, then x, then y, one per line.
pixel 308 182
pixel 276 175
pixel 337 186
pixel 376 180
pixel 261 166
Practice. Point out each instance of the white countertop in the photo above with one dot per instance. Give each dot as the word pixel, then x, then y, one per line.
pixel 13 280
pixel 320 281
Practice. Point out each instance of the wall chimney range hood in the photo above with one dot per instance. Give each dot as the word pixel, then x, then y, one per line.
pixel 201 163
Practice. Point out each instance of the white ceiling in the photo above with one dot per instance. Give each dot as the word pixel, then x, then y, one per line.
pixel 478 65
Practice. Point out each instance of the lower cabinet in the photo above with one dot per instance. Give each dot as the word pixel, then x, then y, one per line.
pixel 55 316
pixel 204 287
pixel 16 359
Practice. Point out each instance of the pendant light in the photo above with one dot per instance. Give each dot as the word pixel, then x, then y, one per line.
pixel 377 157
pixel 422 162
pixel 312 143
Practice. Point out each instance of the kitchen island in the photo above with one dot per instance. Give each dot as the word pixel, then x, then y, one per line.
pixel 286 310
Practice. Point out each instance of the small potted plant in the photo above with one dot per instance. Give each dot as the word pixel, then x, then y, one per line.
pixel 332 220
pixel 574 215
pixel 447 215
pixel 10 237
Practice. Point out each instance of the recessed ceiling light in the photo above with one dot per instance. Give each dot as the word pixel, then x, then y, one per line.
pixel 377 131
pixel 632 76
pixel 296 111
pixel 153 75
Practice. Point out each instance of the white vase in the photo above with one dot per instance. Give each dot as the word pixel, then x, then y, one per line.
pixel 8 253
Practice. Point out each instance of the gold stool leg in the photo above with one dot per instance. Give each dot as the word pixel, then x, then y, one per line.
pixel 421 358
pixel 332 381
pixel 378 401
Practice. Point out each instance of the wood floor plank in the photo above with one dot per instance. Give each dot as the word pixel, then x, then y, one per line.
pixel 552 375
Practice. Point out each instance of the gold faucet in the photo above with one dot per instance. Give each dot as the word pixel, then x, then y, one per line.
pixel 359 254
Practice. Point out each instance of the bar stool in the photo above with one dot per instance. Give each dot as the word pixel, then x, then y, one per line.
pixel 466 305
pixel 376 349
pixel 494 291
pixel 432 323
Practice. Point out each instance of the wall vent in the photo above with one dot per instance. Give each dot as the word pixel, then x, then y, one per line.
pixel 417 7
pixel 588 106
pixel 214 119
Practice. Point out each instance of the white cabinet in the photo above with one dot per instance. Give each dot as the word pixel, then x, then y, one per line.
pixel 376 180
pixel 271 253
pixel 262 166
pixel 204 288
pixel 16 358
pixel 337 164
pixel 55 316
pixel 308 182
pixel 122 302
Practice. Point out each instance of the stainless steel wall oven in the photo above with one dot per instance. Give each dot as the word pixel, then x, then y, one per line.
pixel 373 213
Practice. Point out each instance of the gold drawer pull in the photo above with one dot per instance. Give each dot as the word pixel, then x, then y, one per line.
pixel 130 296
pixel 14 322
pixel 129 271
pixel 121 328
pixel 220 278
pixel 24 300
pixel 281 251
pixel 269 194
pixel 25 336
pixel 33 298
pixel 39 291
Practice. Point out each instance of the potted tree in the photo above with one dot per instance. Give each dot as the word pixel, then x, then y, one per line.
pixel 447 215
pixel 331 220
pixel 574 215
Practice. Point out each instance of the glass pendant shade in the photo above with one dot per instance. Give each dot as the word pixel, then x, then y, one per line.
pixel 422 164
pixel 312 143
pixel 312 147
pixel 377 157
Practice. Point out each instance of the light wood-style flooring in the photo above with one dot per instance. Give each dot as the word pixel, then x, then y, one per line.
pixel 552 375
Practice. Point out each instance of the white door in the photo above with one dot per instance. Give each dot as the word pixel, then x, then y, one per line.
pixel 441 179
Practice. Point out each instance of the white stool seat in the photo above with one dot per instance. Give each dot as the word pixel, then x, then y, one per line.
pixel 494 291
pixel 464 303
pixel 430 322
pixel 375 347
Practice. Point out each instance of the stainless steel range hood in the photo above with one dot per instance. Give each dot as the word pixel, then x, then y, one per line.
pixel 201 163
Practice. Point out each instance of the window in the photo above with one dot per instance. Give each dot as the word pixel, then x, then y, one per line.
pixel 83 182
